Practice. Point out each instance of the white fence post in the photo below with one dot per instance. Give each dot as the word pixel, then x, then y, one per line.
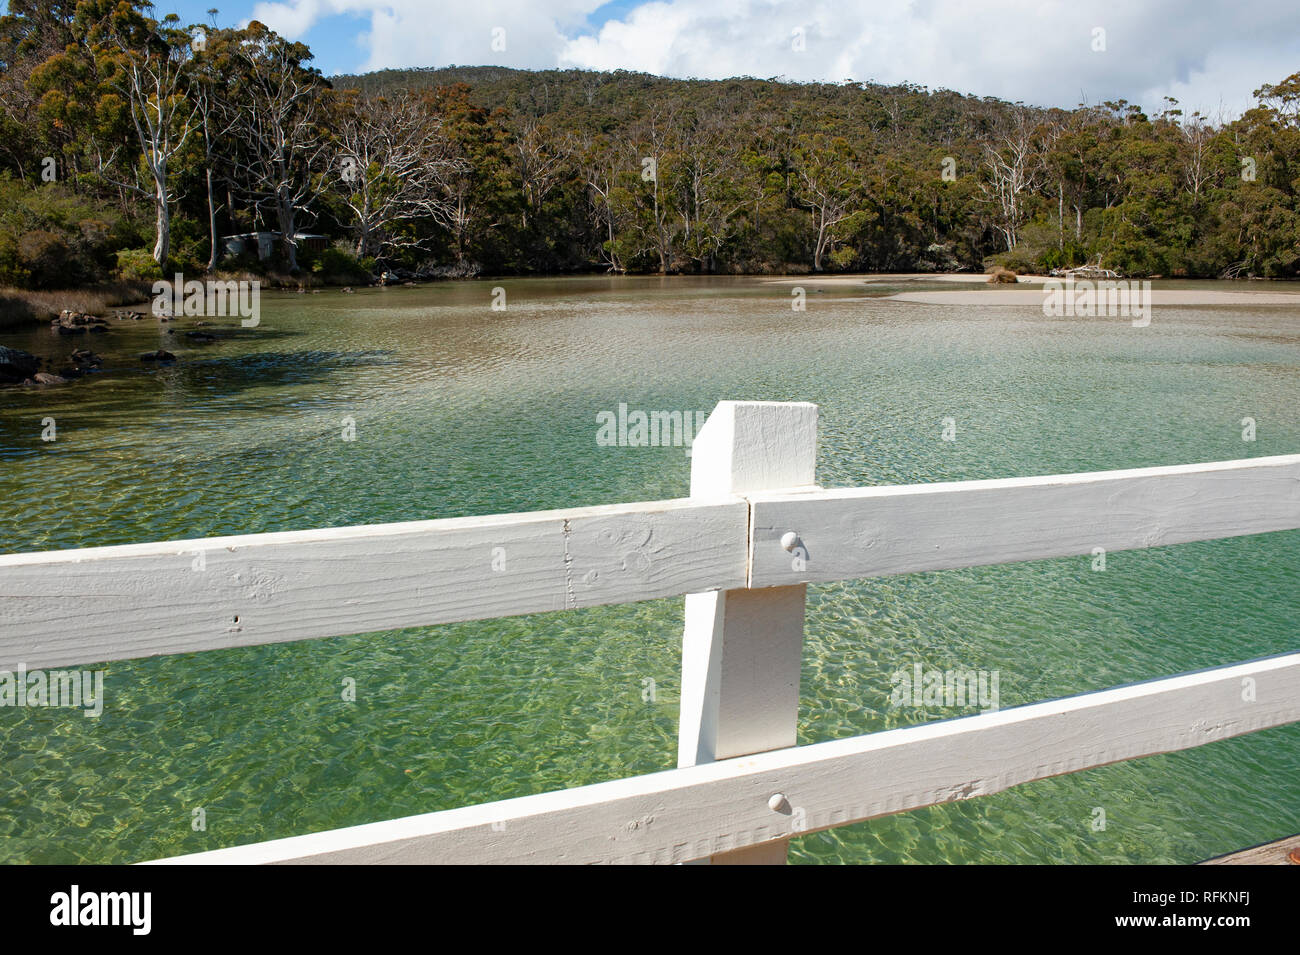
pixel 742 649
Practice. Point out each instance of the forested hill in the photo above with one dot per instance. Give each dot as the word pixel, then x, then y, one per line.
pixel 129 147
pixel 764 174
pixel 613 100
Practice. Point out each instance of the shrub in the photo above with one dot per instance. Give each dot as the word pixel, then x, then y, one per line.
pixel 1019 260
pixel 138 265
pixel 50 237
pixel 44 255
pixel 336 266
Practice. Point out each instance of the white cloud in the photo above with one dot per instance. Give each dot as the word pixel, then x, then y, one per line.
pixel 1205 53
pixel 1040 52
pixel 418 33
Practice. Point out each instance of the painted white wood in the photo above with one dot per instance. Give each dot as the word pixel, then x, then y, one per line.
pixel 696 812
pixel 742 649
pixel 868 532
pixel 742 654
pixel 754 446
pixel 113 603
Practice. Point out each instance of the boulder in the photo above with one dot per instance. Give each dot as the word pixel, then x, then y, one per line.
pixel 158 355
pixel 70 317
pixel 16 366
pixel 45 378
pixel 71 322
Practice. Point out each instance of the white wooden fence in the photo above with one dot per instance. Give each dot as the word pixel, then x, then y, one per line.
pixel 755 531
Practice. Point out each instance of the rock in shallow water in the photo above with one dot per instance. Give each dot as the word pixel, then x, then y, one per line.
pixel 16 366
pixel 45 378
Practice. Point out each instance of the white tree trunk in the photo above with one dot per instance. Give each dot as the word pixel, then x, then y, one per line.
pixel 162 245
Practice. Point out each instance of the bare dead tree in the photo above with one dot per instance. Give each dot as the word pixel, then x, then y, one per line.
pixel 1198 135
pixel 542 161
pixel 1013 166
pixel 277 114
pixel 599 169
pixel 395 166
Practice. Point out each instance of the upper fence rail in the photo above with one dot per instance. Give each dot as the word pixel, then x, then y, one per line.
pixel 113 603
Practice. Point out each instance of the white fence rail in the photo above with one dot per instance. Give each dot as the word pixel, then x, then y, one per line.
pixel 686 814
pixel 138 600
pixel 754 533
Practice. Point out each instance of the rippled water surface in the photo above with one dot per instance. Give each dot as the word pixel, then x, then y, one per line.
pixel 460 410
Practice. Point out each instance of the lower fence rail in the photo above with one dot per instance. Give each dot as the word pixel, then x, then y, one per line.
pixel 701 811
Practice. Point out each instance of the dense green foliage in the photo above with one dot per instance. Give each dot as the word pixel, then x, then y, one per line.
pixel 761 175
pixel 161 142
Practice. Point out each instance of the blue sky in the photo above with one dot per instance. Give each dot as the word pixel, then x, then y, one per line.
pixel 1209 54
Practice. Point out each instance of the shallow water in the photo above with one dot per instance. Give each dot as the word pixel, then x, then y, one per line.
pixel 462 410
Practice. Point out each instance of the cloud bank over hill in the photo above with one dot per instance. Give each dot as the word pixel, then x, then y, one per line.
pixel 1207 53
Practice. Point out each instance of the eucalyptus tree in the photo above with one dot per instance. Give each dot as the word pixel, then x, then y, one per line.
pixel 481 190
pixel 542 162
pixel 147 63
pixel 217 112
pixel 655 144
pixel 1282 99
pixel 54 85
pixel 710 187
pixel 827 182
pixel 31 34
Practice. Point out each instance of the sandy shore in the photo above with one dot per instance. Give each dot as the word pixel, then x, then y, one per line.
pixel 969 278
pixel 1001 295
pixel 1033 295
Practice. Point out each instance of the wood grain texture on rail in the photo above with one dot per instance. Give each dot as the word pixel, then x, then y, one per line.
pixel 685 814
pixel 870 532
pixel 113 603
pixel 1281 852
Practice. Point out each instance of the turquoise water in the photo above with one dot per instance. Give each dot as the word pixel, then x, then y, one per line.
pixel 461 410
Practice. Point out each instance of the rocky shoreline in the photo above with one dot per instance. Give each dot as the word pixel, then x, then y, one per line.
pixel 20 368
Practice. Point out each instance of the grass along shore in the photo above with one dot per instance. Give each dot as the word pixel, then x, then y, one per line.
pixel 20 308
pixel 23 307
